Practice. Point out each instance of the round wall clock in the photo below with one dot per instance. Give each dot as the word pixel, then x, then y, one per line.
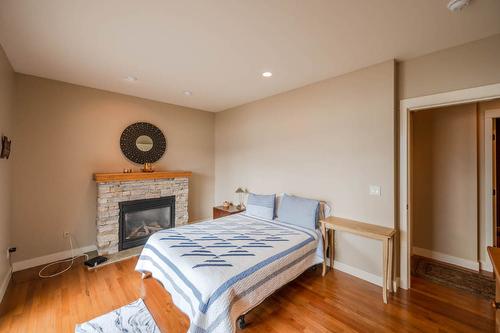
pixel 143 143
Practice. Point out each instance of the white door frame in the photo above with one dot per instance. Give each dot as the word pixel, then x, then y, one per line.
pixel 488 179
pixel 419 103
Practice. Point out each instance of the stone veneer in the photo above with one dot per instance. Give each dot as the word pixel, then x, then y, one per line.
pixel 110 193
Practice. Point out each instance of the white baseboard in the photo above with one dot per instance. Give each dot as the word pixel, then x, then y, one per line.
pixel 363 275
pixel 29 263
pixel 486 266
pixel 5 284
pixel 470 264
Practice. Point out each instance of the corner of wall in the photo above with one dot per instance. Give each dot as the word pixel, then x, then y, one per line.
pixel 6 128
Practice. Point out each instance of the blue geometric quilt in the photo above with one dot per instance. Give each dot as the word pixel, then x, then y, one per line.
pixel 217 270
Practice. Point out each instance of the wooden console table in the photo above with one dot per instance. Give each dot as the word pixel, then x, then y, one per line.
pixel 494 253
pixel 384 234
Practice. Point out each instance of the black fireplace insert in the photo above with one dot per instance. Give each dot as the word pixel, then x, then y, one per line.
pixel 139 219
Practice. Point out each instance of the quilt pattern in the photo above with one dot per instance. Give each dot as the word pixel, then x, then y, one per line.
pixel 219 244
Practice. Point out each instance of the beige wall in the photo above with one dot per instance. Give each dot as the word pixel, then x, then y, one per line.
pixel 445 183
pixel 470 65
pixel 466 66
pixel 65 133
pixel 329 140
pixel 6 94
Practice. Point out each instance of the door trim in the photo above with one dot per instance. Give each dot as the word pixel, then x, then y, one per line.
pixel 489 115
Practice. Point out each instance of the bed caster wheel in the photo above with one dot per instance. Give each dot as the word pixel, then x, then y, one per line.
pixel 241 322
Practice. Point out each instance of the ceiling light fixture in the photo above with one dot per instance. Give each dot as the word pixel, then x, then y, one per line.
pixel 187 93
pixel 130 79
pixel 267 74
pixel 455 5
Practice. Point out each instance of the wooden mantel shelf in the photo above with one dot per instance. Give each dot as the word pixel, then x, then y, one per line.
pixel 123 177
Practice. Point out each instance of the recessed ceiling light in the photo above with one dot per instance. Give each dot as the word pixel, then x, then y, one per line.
pixel 130 79
pixel 267 74
pixel 187 92
pixel 456 5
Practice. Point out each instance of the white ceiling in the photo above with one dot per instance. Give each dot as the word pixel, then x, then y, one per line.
pixel 218 48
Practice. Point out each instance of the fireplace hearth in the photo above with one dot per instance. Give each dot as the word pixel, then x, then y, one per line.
pixel 139 219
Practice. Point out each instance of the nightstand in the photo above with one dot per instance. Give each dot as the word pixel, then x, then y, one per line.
pixel 220 211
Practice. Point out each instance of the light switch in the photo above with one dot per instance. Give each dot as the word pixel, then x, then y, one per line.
pixel 375 190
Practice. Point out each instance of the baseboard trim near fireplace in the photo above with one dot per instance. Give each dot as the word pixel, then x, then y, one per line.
pixel 49 258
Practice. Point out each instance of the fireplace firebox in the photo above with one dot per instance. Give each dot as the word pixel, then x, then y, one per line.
pixel 141 218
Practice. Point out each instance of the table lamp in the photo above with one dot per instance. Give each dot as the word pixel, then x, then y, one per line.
pixel 240 192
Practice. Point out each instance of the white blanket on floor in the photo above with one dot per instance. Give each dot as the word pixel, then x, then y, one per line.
pixel 220 269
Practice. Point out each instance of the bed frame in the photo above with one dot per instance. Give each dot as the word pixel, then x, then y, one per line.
pixel 242 324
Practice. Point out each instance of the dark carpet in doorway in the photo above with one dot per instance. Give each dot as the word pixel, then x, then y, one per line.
pixel 453 276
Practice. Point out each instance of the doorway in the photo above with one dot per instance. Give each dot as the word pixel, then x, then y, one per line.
pixel 407 107
pixel 492 167
pixel 496 180
pixel 445 178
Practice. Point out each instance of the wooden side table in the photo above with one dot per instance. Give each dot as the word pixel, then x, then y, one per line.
pixel 384 234
pixel 220 211
pixel 494 253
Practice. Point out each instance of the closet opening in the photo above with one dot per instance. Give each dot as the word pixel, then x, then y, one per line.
pixel 450 152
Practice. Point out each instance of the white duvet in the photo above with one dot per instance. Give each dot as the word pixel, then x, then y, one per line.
pixel 220 269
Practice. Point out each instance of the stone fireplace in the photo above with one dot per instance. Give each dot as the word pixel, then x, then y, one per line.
pixel 148 201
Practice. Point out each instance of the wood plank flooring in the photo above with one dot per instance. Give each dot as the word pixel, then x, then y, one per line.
pixel 336 303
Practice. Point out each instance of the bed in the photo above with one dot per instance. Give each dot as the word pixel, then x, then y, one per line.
pixel 218 270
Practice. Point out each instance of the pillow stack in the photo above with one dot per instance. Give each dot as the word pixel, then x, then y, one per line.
pixel 294 210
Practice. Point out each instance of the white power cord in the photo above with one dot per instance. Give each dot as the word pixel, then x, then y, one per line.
pixel 72 260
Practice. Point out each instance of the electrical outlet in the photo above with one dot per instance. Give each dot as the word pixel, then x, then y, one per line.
pixel 66 234
pixel 375 190
pixel 11 250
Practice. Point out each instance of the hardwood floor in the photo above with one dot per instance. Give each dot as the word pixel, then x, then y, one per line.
pixel 336 303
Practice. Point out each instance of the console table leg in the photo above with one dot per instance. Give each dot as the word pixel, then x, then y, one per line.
pixel 325 241
pixel 384 266
pixel 332 247
pixel 390 263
